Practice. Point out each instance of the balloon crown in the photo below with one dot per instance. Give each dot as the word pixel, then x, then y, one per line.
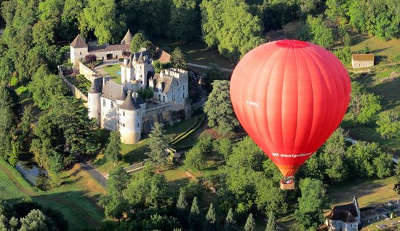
pixel 292 43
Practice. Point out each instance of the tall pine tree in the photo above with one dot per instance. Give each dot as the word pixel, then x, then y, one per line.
pixel 113 147
pixel 230 223
pixel 250 223
pixel 182 207
pixel 211 219
pixel 158 145
pixel 194 216
pixel 271 225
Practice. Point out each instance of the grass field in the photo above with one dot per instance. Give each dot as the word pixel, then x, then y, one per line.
pixel 377 46
pixel 75 198
pixel 114 72
pixel 197 52
pixel 132 153
pixel 368 191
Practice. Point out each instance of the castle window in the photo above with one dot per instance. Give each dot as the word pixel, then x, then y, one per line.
pixel 138 124
pixel 112 104
pixel 104 102
pixel 123 125
pixel 123 113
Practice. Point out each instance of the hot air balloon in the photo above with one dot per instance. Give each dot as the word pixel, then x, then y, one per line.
pixel 289 96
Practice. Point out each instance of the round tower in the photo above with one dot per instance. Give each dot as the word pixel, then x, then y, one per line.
pixel 94 103
pixel 130 120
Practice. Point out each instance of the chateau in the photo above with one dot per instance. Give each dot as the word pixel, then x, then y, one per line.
pixel 119 106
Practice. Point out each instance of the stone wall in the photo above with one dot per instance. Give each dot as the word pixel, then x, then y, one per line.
pixel 75 91
pixel 87 72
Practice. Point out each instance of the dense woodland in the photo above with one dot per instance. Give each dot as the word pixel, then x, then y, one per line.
pixel 40 119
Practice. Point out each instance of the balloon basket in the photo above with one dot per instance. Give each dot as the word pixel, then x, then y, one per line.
pixel 287 184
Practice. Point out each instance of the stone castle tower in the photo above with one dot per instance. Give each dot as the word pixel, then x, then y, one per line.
pixel 94 105
pixel 136 67
pixel 130 120
pixel 128 113
pixel 78 50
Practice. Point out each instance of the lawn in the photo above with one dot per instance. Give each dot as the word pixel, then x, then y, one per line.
pixel 368 191
pixel 75 199
pixel 132 153
pixel 377 46
pixel 197 52
pixel 114 71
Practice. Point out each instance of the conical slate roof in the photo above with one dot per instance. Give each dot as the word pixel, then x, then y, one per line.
pixel 79 42
pixel 129 104
pixel 127 38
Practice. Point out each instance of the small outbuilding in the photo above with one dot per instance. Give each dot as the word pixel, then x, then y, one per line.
pixel 344 217
pixel 362 60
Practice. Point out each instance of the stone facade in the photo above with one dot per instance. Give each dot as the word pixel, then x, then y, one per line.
pixel 362 60
pixel 344 217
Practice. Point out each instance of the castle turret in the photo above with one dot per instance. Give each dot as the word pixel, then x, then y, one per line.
pixel 130 120
pixel 142 68
pixel 78 50
pixel 94 102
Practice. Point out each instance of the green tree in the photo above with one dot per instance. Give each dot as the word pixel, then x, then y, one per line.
pixel 230 222
pixel 211 219
pixel 70 18
pixel 309 214
pixel 101 16
pixel 250 223
pixel 182 206
pixel 184 20
pixel 368 159
pixel 230 26
pixel 7 123
pixel 320 31
pixel 57 144
pixel 333 156
pixel 113 202
pixel 389 124
pixel 35 220
pixel 158 145
pixel 138 41
pixel 147 189
pixel 178 59
pixel 363 105
pixel 196 157
pixel 194 215
pixel 309 6
pixel 384 165
pixel 271 225
pixel 113 148
pixel 223 147
pixel 219 108
pixel 46 88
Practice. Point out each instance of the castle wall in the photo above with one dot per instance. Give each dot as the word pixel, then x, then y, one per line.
pixel 87 72
pixel 75 91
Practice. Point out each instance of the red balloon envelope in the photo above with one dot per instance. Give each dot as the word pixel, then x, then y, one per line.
pixel 290 96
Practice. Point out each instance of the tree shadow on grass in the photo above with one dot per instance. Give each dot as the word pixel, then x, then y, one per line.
pixel 177 184
pixel 136 155
pixel 390 91
pixel 358 187
pixel 79 209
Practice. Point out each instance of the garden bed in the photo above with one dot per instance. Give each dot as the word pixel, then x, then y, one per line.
pixel 80 82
